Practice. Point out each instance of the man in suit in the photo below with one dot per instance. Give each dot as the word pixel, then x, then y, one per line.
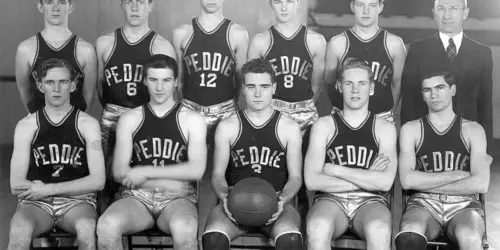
pixel 450 49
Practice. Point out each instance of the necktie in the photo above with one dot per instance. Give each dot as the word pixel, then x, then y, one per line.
pixel 451 50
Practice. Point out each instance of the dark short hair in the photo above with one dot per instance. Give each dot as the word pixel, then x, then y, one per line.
pixel 379 1
pixel 160 61
pixel 70 1
pixel 259 66
pixel 450 77
pixel 53 63
pixel 354 63
pixel 148 1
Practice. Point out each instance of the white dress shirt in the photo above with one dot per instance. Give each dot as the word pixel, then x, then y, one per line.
pixel 457 39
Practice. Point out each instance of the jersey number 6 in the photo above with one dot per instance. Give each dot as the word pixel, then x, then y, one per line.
pixel 131 89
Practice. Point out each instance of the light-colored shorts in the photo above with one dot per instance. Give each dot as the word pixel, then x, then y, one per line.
pixel 304 112
pixel 109 118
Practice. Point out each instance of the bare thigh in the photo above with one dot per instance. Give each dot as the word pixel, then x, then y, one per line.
pixel 33 218
pixel 219 222
pixel 419 220
pixel 331 214
pixel 370 213
pixel 179 210
pixel 82 211
pixel 129 215
pixel 466 218
pixel 288 222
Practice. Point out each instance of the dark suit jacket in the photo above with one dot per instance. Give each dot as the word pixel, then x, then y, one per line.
pixel 473 65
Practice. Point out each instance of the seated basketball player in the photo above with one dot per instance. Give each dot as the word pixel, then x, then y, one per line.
pixel 351 163
pixel 242 139
pixel 159 156
pixel 57 164
pixel 444 165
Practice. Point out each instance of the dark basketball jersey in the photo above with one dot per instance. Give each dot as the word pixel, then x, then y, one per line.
pixel 66 52
pixel 209 65
pixel 159 141
pixel 258 152
pixel 353 147
pixel 124 71
pixel 375 52
pixel 58 151
pixel 442 151
pixel 293 64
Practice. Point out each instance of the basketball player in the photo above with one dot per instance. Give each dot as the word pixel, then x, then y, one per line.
pixel 444 162
pixel 260 142
pixel 351 163
pixel 384 52
pixel 121 56
pixel 159 155
pixel 57 164
pixel 55 41
pixel 211 51
pixel 298 57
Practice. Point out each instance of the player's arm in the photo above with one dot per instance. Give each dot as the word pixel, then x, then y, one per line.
pixel 314 177
pixel 91 134
pixel 180 35
pixel 24 56
pixel 224 135
pixel 104 45
pixel 317 45
pixel 397 51
pixel 293 144
pixel 484 99
pixel 87 58
pixel 374 180
pixel 238 38
pixel 259 45
pixel 412 179
pixel 19 164
pixel 123 150
pixel 163 46
pixel 334 51
pixel 480 161
pixel 196 152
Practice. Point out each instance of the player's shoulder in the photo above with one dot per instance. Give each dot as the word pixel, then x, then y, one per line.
pixel 232 123
pixel 315 36
pixel 86 121
pixel 287 122
pixel 84 48
pixel 238 29
pixel 183 30
pixel 393 40
pixel 472 127
pixel 132 116
pixel 323 124
pixel 162 40
pixel 28 45
pixel 411 126
pixel 106 40
pixel 262 38
pixel 27 123
pixel 340 39
pixel 192 117
pixel 384 125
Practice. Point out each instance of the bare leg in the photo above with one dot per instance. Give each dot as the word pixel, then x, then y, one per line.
pixel 28 222
pixel 373 223
pixel 180 219
pixel 326 220
pixel 467 229
pixel 81 221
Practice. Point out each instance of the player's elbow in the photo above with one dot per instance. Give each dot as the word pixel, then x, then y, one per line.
pixel 482 186
pixel 407 182
pixel 99 181
pixel 311 181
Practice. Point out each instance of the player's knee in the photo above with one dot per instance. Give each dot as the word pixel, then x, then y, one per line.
pixel 317 229
pixel 378 228
pixel 468 235
pixel 108 229
pixel 289 241
pixel 406 240
pixel 85 229
pixel 215 241
pixel 184 230
pixel 21 230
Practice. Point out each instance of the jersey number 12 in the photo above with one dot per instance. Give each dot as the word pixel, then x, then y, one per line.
pixel 208 80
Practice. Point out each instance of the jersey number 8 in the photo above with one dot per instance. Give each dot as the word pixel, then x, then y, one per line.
pixel 288 81
pixel 131 89
pixel 210 80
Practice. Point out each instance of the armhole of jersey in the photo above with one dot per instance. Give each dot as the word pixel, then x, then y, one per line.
pixel 115 43
pixel 76 56
pixel 307 45
pixel 228 39
pixel 179 124
pixel 347 45
pixel 33 61
pixel 77 116
pixel 467 146
pixel 270 44
pixel 38 127
pixel 240 130
pixel 387 51
pixel 374 134
pixel 335 133
pixel 276 132
pixel 422 134
pixel 152 43
pixel 188 44
pixel 142 122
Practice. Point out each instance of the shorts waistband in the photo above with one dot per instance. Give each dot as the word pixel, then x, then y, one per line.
pixel 209 109
pixel 447 198
pixel 293 105
pixel 115 108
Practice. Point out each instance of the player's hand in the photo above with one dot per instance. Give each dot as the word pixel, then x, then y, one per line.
pixel 226 210
pixel 134 178
pixel 276 215
pixel 37 191
pixel 21 188
pixel 380 163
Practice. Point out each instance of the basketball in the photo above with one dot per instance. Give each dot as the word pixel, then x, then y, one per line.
pixel 252 201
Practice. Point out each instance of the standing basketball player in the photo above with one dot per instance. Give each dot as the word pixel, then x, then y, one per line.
pixel 55 41
pixel 211 51
pixel 298 57
pixel 121 55
pixel 444 162
pixel 159 155
pixel 245 138
pixel 57 164
pixel 351 163
pixel 384 52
